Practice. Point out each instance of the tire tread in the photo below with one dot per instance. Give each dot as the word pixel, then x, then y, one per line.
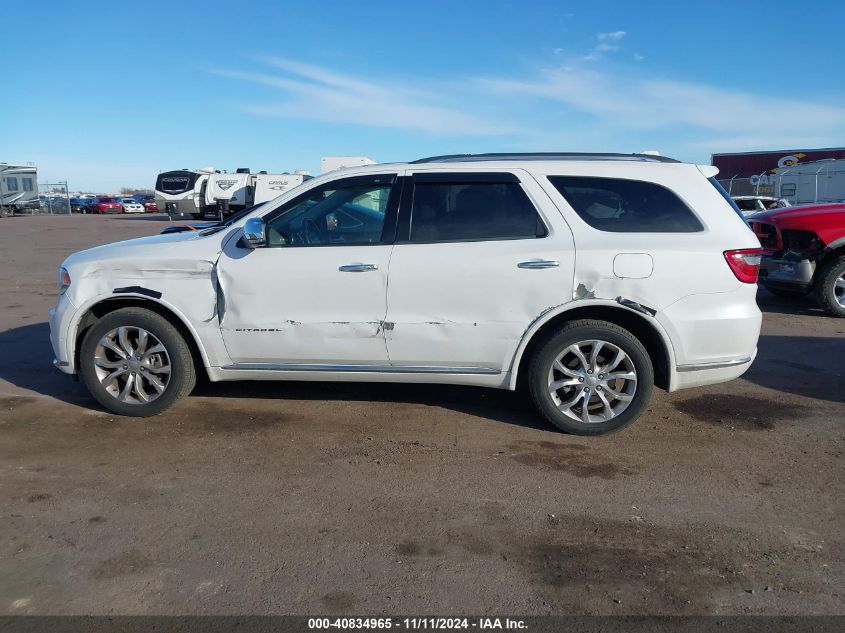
pixel 827 277
pixel 537 380
pixel 179 352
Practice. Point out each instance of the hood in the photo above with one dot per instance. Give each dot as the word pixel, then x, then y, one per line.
pixel 147 255
pixel 827 221
pixel 798 214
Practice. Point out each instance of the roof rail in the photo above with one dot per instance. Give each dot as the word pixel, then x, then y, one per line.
pixel 462 158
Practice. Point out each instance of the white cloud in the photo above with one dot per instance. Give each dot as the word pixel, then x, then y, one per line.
pixel 605 43
pixel 626 101
pixel 570 104
pixel 317 93
pixel 613 36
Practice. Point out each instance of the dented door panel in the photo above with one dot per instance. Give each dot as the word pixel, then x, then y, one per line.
pixel 294 305
pixel 468 304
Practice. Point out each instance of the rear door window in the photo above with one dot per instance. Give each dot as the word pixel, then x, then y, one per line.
pixel 626 206
pixel 451 208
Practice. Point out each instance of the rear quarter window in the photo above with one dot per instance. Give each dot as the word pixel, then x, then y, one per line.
pixel 626 206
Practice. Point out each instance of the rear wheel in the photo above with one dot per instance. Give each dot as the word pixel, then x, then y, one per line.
pixel 830 286
pixel 136 363
pixel 591 377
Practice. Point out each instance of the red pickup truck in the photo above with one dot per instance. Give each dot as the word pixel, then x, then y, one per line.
pixel 803 252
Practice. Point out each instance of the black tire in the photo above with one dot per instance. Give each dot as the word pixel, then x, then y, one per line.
pixel 786 293
pixel 589 330
pixel 826 296
pixel 182 376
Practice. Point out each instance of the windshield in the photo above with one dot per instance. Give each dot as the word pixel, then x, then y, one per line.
pixel 728 198
pixel 174 182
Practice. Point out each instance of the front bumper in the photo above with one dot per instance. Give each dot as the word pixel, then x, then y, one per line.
pixel 787 273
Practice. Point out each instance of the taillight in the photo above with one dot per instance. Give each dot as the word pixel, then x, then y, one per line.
pixel 745 263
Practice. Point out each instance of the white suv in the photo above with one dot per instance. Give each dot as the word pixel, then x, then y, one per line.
pixel 588 277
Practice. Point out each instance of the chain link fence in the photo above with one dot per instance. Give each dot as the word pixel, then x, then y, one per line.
pixel 799 184
pixel 53 198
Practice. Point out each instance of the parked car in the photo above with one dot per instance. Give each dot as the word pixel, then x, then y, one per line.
pixel 80 205
pixel 106 204
pixel 54 203
pixel 458 270
pixel 749 205
pixel 149 203
pixel 804 252
pixel 131 205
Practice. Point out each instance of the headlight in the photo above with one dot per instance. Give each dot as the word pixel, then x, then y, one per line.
pixel 64 280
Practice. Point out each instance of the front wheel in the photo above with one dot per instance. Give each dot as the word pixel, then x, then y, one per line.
pixel 136 363
pixel 830 286
pixel 591 377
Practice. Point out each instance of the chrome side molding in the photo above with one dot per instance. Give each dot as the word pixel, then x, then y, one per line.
pixel 386 369
pixel 722 365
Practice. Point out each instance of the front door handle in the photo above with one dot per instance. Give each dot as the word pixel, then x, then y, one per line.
pixel 539 263
pixel 357 268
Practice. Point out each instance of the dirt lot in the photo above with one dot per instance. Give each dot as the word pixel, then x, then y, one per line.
pixel 370 499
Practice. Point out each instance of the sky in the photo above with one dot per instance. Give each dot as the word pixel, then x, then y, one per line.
pixel 109 94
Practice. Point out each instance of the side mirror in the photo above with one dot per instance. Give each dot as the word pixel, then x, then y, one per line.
pixel 255 234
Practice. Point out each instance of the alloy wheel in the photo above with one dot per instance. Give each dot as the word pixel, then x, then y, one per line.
pixel 592 381
pixel 132 365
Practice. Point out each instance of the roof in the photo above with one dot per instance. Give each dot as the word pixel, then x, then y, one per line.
pixel 544 156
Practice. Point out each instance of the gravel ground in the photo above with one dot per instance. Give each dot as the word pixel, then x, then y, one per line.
pixel 374 499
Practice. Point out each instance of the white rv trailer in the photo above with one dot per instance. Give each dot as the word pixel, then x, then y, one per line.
pixel 18 188
pixel 269 186
pixel 814 182
pixel 182 191
pixel 330 163
pixel 226 193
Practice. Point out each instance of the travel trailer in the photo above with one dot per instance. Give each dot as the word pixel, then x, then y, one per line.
pixel 182 191
pixel 18 188
pixel 226 194
pixel 812 183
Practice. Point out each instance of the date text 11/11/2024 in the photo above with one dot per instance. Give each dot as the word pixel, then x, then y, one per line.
pixel 423 623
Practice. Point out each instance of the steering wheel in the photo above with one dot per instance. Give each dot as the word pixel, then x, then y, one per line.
pixel 311 232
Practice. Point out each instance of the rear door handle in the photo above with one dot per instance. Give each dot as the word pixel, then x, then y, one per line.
pixel 539 263
pixel 358 268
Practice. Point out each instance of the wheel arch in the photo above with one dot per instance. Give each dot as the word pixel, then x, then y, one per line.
pixel 834 250
pixel 646 329
pixel 100 307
